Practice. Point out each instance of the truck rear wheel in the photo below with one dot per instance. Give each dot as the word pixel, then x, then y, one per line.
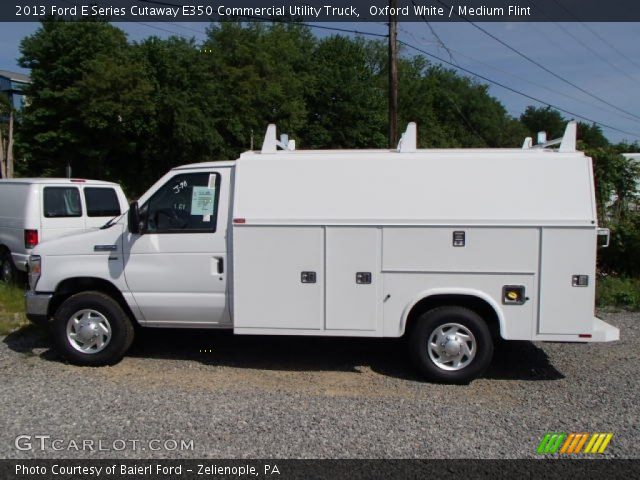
pixel 451 345
pixel 91 328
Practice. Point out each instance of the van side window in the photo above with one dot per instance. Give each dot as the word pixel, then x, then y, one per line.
pixel 186 203
pixel 62 202
pixel 101 202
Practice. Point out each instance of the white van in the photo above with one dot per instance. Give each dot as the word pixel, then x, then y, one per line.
pixel 34 210
pixel 452 248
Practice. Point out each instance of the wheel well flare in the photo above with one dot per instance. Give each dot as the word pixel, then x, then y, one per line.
pixel 472 302
pixel 71 286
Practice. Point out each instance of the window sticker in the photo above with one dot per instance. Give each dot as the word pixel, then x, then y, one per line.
pixel 202 201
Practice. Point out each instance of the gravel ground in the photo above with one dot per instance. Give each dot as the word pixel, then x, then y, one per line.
pixel 315 398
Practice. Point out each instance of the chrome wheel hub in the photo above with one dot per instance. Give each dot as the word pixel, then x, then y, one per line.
pixel 88 331
pixel 452 346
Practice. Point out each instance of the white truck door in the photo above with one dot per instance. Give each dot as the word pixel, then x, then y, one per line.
pixel 177 269
pixel 279 278
pixel 353 280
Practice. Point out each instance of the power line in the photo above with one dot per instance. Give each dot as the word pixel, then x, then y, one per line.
pixel 538 64
pixel 164 30
pixel 586 47
pixel 470 72
pixel 433 32
pixel 277 20
pixel 456 106
pixel 567 32
pixel 597 35
pixel 610 45
pixel 511 89
pixel 542 86
pixel 442 60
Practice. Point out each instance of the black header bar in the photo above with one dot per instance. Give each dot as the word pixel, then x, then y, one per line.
pixel 167 469
pixel 324 10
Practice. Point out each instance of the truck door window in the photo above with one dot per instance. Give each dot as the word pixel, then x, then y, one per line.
pixel 101 202
pixel 186 203
pixel 62 202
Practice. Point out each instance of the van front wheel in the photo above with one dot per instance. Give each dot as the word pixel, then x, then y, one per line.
pixel 91 328
pixel 451 344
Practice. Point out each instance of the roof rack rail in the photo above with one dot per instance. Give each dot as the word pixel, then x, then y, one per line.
pixel 409 139
pixel 567 142
pixel 271 142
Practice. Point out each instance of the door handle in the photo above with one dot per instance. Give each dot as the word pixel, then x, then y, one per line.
pixel 220 265
pixel 105 248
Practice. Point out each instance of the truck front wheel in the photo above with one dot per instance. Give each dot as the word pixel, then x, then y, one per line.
pixel 91 328
pixel 451 344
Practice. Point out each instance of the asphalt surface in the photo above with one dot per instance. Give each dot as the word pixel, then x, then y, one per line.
pixel 283 397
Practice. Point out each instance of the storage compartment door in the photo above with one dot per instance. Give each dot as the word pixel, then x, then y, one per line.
pixel 353 279
pixel 273 273
pixel 565 308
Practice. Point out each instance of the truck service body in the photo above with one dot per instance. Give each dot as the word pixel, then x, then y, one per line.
pixel 451 247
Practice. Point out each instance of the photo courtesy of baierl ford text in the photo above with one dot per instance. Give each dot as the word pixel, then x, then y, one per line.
pixel 364 239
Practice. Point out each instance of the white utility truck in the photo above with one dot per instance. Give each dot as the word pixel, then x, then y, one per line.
pixel 33 210
pixel 452 248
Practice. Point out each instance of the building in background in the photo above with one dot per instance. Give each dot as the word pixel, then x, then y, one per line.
pixel 636 158
pixel 12 86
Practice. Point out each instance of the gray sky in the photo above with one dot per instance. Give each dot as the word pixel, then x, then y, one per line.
pixel 601 58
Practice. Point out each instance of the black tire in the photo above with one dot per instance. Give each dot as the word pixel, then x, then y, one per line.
pixel 122 331
pixel 8 271
pixel 427 325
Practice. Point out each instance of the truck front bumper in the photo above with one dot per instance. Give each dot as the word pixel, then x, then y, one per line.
pixel 37 306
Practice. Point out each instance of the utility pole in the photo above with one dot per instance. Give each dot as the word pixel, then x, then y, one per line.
pixel 393 74
pixel 9 165
pixel 3 171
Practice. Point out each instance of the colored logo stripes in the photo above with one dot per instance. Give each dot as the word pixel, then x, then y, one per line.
pixel 574 443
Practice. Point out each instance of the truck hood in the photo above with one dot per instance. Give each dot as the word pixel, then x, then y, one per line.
pixel 84 243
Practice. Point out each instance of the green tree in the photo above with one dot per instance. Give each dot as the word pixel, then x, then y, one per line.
pixel 543 119
pixel 347 106
pixel 183 125
pixel 56 128
pixel 591 135
pixel 261 74
pixel 452 110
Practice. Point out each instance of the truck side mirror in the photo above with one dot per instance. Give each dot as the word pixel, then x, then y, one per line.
pixel 133 218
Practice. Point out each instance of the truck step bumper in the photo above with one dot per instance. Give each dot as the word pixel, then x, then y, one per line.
pixel 603 332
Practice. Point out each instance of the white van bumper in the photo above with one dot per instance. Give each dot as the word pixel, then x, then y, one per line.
pixel 20 261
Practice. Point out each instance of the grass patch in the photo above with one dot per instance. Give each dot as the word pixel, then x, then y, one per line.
pixel 12 314
pixel 618 292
